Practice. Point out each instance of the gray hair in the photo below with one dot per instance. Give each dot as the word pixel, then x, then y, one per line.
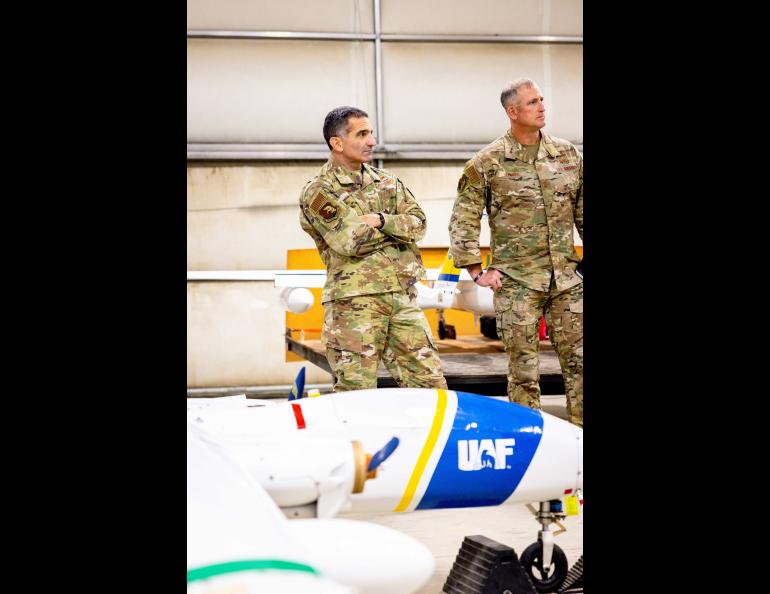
pixel 336 121
pixel 511 90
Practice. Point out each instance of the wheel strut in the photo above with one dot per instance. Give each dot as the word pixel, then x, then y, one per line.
pixel 544 562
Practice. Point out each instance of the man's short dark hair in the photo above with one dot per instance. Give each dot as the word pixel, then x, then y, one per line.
pixel 336 121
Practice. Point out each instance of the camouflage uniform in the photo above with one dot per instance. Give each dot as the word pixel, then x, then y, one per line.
pixel 370 302
pixel 532 207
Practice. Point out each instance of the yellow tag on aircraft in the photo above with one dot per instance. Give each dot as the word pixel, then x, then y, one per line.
pixel 571 505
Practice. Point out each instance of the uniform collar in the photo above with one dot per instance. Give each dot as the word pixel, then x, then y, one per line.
pixel 372 172
pixel 515 150
pixel 347 177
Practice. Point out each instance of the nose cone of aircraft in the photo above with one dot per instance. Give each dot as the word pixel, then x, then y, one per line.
pixel 296 299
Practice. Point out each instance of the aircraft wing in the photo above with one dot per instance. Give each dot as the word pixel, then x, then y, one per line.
pixel 236 535
pixel 238 538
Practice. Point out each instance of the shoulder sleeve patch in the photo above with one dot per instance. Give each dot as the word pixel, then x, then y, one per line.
pixel 471 173
pixel 323 207
pixel 328 211
pixel 317 201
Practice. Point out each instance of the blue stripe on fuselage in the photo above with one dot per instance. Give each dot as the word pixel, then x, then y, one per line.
pixel 488 451
pixel 449 277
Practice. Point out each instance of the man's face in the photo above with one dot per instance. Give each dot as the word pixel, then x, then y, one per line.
pixel 357 146
pixel 529 110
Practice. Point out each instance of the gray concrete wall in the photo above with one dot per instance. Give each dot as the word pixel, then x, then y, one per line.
pixel 245 216
pixel 235 337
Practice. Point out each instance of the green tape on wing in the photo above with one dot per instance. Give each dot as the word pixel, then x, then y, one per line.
pixel 207 571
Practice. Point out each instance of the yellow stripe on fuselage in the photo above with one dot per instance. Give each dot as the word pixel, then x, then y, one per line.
pixel 427 450
pixel 448 266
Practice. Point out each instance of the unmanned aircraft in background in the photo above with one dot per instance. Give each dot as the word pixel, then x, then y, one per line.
pixel 404 450
pixel 443 295
pixel 452 288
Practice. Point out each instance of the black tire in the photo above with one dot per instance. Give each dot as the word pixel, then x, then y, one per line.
pixel 547 579
pixel 488 326
pixel 441 330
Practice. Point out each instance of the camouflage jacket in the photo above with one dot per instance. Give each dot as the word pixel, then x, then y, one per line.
pixel 360 259
pixel 531 206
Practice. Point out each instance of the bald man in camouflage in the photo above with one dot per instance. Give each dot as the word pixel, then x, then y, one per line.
pixel 531 185
pixel 366 223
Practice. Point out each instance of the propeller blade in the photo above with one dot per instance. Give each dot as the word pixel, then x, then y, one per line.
pixel 298 387
pixel 380 456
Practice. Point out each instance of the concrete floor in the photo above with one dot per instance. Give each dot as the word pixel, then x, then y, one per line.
pixel 443 530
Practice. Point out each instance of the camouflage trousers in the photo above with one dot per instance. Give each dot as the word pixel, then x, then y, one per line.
pixel 359 331
pixel 518 310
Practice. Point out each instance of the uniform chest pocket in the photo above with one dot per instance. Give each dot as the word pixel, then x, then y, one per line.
pixel 355 201
pixel 365 200
pixel 566 184
pixel 518 200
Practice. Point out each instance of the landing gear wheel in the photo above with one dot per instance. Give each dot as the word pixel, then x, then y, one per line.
pixel 545 579
pixel 446 331
pixel 488 326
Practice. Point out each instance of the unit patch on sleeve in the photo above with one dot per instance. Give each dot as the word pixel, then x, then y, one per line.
pixel 323 207
pixel 328 211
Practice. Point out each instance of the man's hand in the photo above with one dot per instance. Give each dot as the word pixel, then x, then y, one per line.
pixel 492 278
pixel 372 219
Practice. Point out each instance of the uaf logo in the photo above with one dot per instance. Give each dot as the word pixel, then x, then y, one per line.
pixel 473 454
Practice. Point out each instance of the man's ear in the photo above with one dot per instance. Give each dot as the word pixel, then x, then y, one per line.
pixel 510 109
pixel 336 143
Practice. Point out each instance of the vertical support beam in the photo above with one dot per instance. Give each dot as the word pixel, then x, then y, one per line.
pixel 380 127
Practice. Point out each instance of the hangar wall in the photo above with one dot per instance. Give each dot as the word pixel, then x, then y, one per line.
pixel 263 100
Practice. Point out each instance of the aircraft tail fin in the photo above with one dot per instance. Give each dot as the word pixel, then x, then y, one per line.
pixel 448 274
pixel 298 387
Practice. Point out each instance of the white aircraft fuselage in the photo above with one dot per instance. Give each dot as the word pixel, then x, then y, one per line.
pixel 456 449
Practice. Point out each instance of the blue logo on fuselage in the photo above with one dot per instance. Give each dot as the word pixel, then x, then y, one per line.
pixel 474 454
pixel 488 451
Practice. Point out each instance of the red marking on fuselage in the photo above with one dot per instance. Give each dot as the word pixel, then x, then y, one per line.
pixel 298 415
pixel 567 491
